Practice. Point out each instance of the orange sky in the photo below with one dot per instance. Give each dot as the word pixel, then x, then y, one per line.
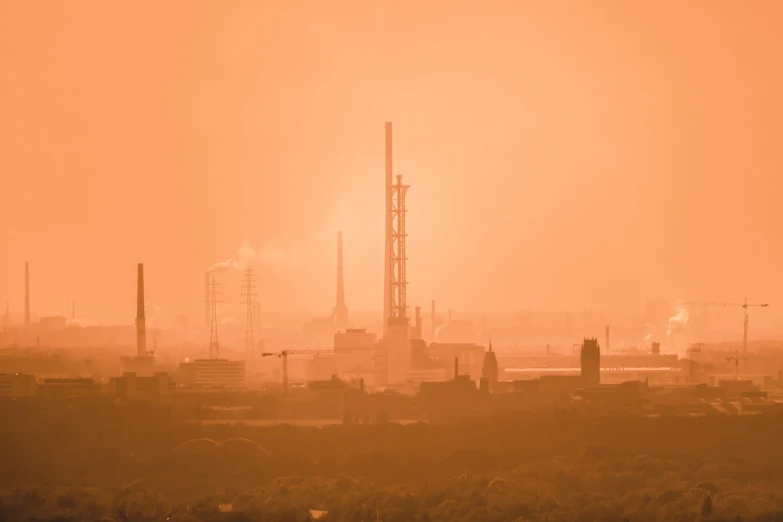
pixel 561 154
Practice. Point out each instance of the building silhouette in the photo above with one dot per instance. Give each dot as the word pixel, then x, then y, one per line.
pixel 590 362
pixel 489 368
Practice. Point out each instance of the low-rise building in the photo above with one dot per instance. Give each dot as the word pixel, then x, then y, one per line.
pixel 13 385
pixel 131 385
pixel 70 387
pixel 219 373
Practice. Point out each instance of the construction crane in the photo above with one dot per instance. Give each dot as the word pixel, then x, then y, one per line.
pixel 743 305
pixel 284 356
pixel 285 353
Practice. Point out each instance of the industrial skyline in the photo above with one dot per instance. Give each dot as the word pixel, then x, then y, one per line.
pixel 391 261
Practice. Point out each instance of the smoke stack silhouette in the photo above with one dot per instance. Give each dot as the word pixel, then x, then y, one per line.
pixel 388 229
pixel 26 293
pixel 141 327
pixel 340 309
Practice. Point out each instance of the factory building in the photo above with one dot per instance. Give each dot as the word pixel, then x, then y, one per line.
pixel 321 368
pixel 217 373
pixel 51 323
pixel 139 365
pixel 131 385
pixel 470 356
pixel 13 385
pixel 353 351
pixel 398 342
pixel 62 388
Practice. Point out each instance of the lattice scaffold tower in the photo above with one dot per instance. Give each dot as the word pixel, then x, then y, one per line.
pixel 248 288
pixel 397 277
pixel 214 346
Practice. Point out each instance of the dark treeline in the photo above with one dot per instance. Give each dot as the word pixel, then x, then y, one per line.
pixel 93 459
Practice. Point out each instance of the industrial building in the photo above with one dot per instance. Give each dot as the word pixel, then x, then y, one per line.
pixel 213 373
pixel 354 353
pixel 14 385
pixel 68 388
pixel 131 385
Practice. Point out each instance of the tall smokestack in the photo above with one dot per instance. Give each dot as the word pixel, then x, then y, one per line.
pixel 340 309
pixel 141 326
pixel 26 293
pixel 387 229
pixel 607 337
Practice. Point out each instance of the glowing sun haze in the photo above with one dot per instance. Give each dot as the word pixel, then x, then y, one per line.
pixel 560 154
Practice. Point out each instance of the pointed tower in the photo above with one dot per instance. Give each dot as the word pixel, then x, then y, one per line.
pixel 340 310
pixel 489 368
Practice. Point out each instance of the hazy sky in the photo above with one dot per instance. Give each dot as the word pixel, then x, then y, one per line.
pixel 560 154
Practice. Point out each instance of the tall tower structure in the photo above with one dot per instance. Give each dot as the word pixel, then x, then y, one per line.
pixel 141 325
pixel 340 309
pixel 248 287
pixel 590 359
pixel 214 347
pixel 398 283
pixel 207 301
pixel 387 230
pixel 398 332
pixel 26 293
pixel 489 368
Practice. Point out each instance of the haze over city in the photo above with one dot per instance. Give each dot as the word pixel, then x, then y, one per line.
pixel 561 157
pixel 391 261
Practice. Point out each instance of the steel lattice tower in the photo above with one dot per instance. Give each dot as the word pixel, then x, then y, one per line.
pixel 397 275
pixel 248 286
pixel 207 301
pixel 214 347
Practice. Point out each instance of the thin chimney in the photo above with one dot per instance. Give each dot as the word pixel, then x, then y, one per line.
pixel 340 309
pixel 387 265
pixel 456 367
pixel 141 327
pixel 27 293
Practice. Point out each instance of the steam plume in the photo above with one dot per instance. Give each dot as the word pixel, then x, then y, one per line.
pixel 678 320
pixel 248 255
pixel 79 323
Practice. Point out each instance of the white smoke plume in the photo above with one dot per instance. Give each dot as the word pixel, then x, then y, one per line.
pixel 247 255
pixel 648 340
pixel 678 320
pixel 228 264
pixel 152 310
pixel 79 323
